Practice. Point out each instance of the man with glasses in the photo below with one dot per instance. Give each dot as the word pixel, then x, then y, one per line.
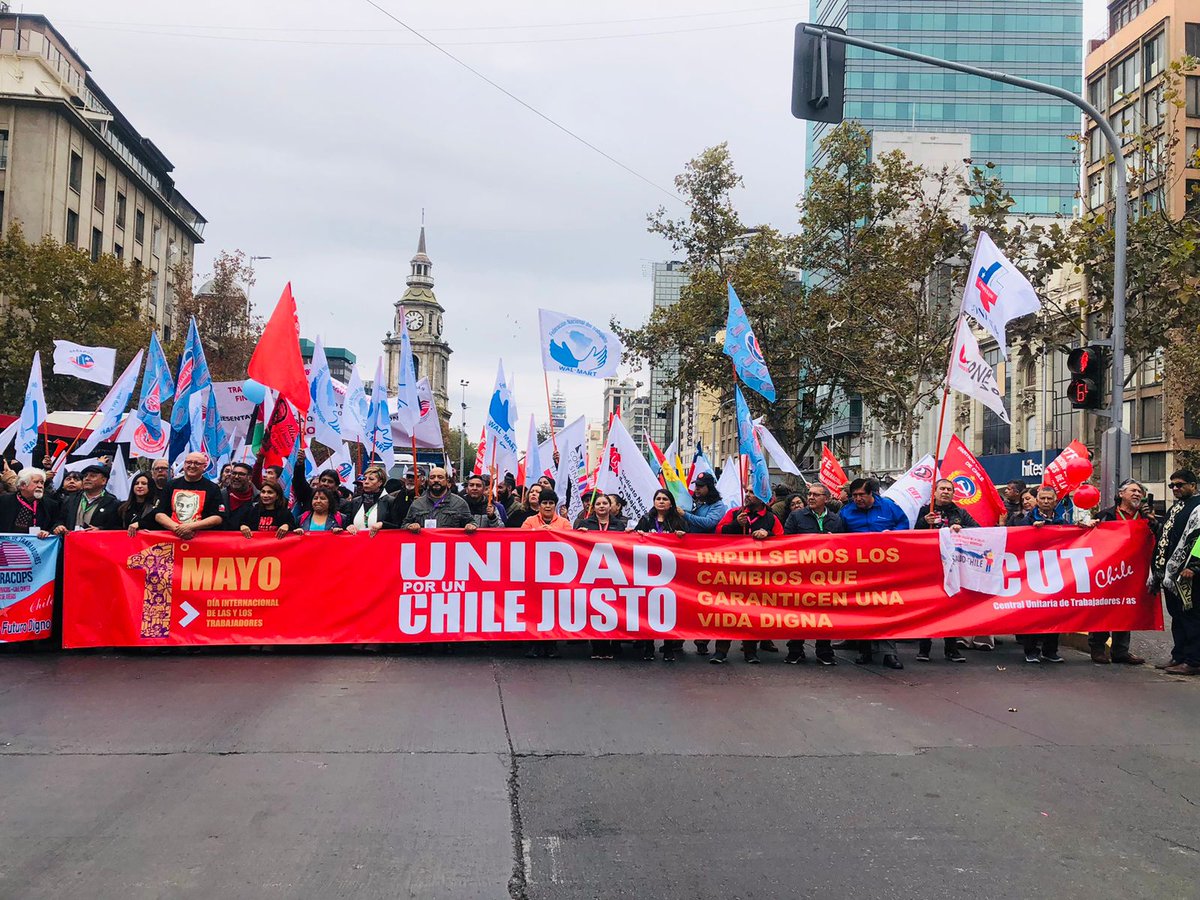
pixel 814 518
pixel 1175 567
pixel 1128 508
pixel 190 503
pixel 870 511
pixel 160 472
pixel 239 489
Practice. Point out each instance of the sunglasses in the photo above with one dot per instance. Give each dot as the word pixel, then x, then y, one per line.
pixel 1177 485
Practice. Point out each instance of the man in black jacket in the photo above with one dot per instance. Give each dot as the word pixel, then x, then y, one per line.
pixel 814 518
pixel 1128 508
pixel 28 506
pixel 93 508
pixel 945 514
pixel 1176 581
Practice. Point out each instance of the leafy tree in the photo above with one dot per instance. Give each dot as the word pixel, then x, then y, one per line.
pixel 53 291
pixel 450 440
pixel 228 327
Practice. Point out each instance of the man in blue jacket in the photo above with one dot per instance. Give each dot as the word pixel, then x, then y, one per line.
pixel 707 511
pixel 869 511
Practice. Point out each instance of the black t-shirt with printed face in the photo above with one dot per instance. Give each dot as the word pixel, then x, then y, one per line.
pixel 190 501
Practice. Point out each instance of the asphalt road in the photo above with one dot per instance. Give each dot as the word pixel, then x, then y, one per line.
pixel 329 775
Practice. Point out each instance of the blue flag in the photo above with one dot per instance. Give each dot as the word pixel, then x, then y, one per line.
pixel 742 347
pixel 149 437
pixel 193 377
pixel 749 447
pixel 379 423
pixel 216 442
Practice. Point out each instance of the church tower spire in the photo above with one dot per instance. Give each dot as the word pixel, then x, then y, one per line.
pixel 422 318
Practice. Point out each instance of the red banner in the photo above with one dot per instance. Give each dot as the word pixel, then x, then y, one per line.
pixel 154 590
pixel 27 570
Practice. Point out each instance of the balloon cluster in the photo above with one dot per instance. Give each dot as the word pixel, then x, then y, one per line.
pixel 1080 470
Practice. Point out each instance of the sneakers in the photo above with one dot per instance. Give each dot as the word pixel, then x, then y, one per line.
pixel 795 657
pixel 718 658
pixel 753 659
pixel 701 648
pixel 1050 658
pixel 922 656
pixel 1100 657
pixel 648 655
pixel 955 655
pixel 893 662
pixel 768 647
pixel 827 660
pixel 668 656
pixel 1032 658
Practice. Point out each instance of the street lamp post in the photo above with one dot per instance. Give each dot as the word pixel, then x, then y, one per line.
pixel 462 431
pixel 250 280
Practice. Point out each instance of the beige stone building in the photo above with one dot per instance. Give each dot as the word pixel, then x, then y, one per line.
pixel 73 167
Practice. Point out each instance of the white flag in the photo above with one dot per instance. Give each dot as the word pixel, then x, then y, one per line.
pixel 972 559
pixel 342 463
pixel 500 426
pixel 533 459
pixel 89 363
pixel 729 485
pixel 407 402
pixel 996 293
pixel 118 478
pixel 380 422
pixel 112 407
pixel 574 346
pixel 355 409
pixel 624 471
pixel 429 423
pixel 775 450
pixel 913 490
pixel 323 416
pixel 33 413
pixel 571 475
pixel 7 435
pixel 971 375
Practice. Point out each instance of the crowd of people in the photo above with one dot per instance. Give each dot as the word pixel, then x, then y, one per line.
pixel 253 500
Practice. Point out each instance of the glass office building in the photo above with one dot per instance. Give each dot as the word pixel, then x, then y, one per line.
pixel 1025 134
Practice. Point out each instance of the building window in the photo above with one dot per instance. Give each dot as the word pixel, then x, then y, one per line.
pixel 139 226
pixel 1192 95
pixel 1192 145
pixel 1096 93
pixel 97 244
pixel 99 192
pixel 1191 39
pixel 1097 146
pixel 1192 193
pixel 1152 108
pixel 1096 190
pixel 1123 77
pixel 72 228
pixel 1150 425
pixel 118 251
pixel 120 210
pixel 1150 467
pixel 3 149
pixel 75 173
pixel 1152 56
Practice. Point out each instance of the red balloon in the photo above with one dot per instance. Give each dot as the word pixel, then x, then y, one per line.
pixel 1087 497
pixel 1079 470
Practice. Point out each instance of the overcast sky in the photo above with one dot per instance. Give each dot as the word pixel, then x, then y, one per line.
pixel 316 133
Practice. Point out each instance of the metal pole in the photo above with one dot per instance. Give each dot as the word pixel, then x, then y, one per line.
pixel 1047 414
pixel 462 431
pixel 1117 462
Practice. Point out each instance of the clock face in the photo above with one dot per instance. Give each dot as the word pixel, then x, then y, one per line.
pixel 415 320
pixel 438 325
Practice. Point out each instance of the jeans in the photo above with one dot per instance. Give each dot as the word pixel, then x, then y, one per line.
pixel 824 648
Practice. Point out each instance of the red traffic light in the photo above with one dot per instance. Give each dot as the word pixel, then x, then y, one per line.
pixel 1086 365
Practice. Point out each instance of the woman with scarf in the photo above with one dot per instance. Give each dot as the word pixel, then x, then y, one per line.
pixel 372 509
pixel 602 519
pixel 664 518
pixel 266 515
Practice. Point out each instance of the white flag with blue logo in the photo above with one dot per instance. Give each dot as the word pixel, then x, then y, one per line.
pixel 33 414
pixel 355 409
pixel 89 363
pixel 112 407
pixel 500 427
pixel 408 404
pixel 996 293
pixel 323 410
pixel 379 423
pixel 574 346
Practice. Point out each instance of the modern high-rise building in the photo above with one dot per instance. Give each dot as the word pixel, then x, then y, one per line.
pixel 558 409
pixel 1025 134
pixel 74 168
pixel 341 361
pixel 622 398
pixel 666 410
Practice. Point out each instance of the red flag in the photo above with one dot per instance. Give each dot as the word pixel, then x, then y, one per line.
pixel 282 432
pixel 1070 469
pixel 276 361
pixel 832 475
pixel 478 470
pixel 973 490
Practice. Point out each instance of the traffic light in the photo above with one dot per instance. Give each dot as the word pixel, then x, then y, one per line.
pixel 1086 365
pixel 818 76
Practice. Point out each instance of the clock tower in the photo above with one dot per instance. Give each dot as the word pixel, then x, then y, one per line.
pixel 422 317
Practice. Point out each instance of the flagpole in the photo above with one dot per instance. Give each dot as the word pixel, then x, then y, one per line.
pixel 87 427
pixel 738 444
pixel 416 470
pixel 937 447
pixel 550 410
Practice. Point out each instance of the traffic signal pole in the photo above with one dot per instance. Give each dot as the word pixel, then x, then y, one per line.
pixel 1116 461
